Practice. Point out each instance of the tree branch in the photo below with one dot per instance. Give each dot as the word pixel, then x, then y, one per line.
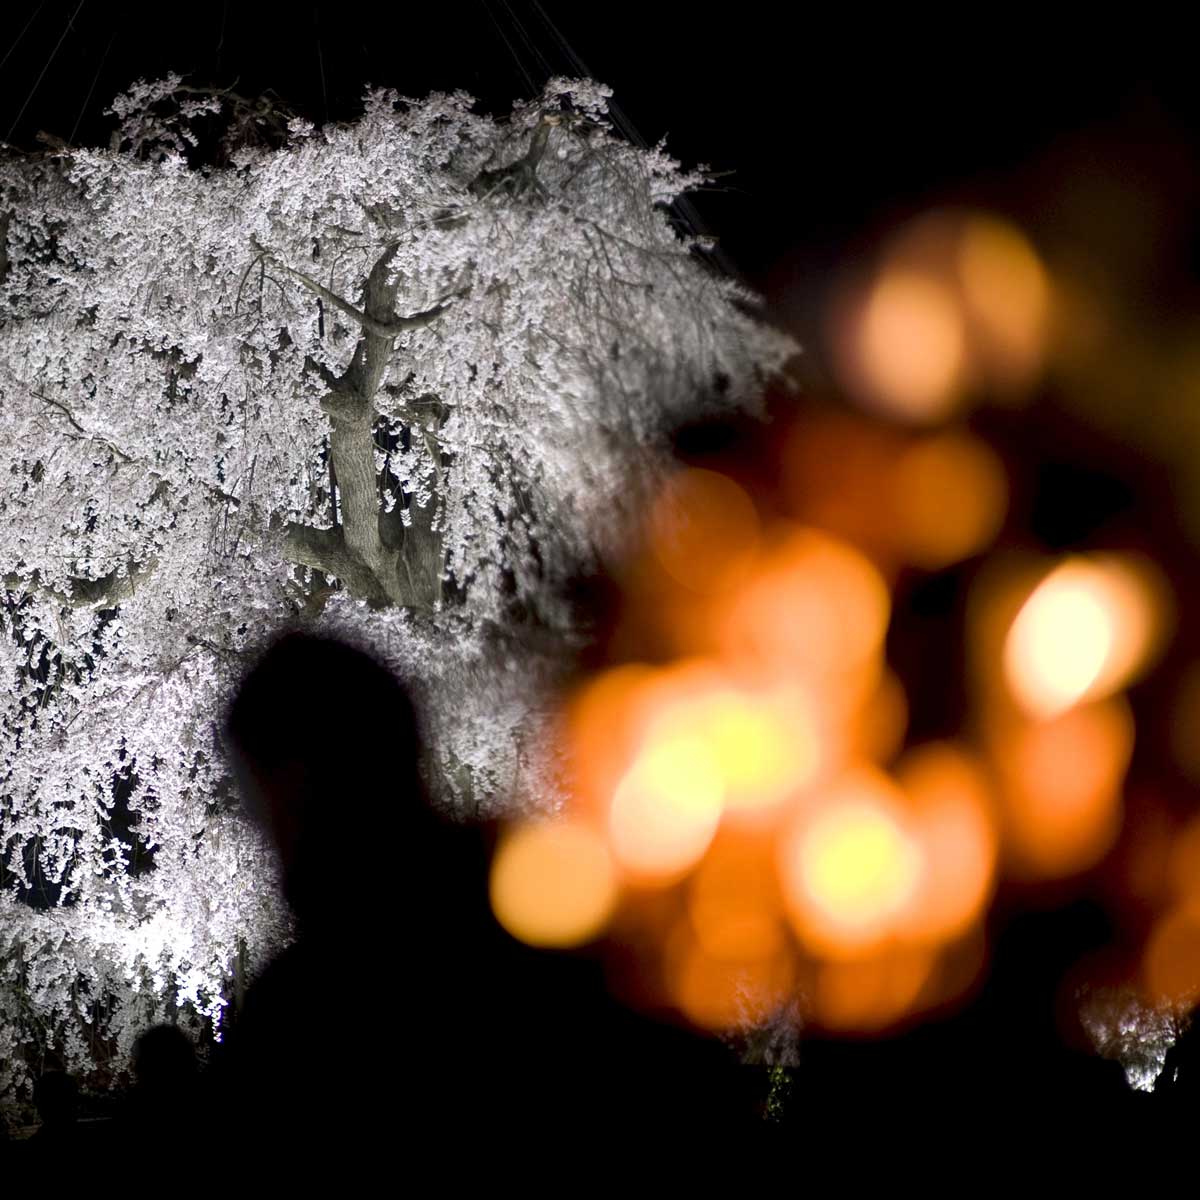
pixel 380 327
pixel 326 550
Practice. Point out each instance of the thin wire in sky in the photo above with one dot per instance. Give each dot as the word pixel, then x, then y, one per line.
pixel 37 82
pixel 321 62
pixel 533 89
pixel 88 98
pixel 20 35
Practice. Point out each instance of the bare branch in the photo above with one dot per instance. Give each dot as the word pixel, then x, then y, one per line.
pixel 385 329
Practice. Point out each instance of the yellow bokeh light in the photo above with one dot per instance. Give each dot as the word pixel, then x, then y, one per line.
pixel 553 884
pixel 910 346
pixel 666 808
pixel 850 867
pixel 762 745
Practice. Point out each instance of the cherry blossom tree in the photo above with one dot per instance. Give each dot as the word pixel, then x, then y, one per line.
pixel 399 378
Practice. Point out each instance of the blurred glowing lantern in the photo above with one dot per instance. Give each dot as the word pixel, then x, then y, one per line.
pixel 904 351
pixel 850 866
pixel 868 994
pixel 763 745
pixel 553 884
pixel 948 498
pixel 954 824
pixel 1088 628
pixel 1062 786
pixel 1171 962
pixel 604 728
pixel 1007 294
pixel 666 808
pixel 734 905
pixel 814 607
pixel 836 466
pixel 719 994
pixel 703 530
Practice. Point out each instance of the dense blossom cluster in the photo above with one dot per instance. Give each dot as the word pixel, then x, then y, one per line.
pixel 401 376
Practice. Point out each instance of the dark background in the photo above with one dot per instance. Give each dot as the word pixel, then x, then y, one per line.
pixel 832 125
pixel 835 128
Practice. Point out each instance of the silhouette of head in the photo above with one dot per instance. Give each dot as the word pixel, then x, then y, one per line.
pixel 163 1059
pixel 327 744
pixel 56 1097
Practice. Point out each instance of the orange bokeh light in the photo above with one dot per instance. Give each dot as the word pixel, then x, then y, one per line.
pixel 734 904
pixel 1061 793
pixel 1171 962
pixel 1183 863
pixel 948 494
pixel 814 608
pixel 1007 292
pixel 553 884
pixel 703 530
pixel 666 808
pixel 953 816
pixel 869 994
pixel 906 350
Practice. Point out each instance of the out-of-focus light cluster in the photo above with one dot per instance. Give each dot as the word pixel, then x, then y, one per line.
pixel 745 813
pixel 959 301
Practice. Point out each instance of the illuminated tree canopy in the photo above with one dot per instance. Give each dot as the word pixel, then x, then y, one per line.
pixel 400 378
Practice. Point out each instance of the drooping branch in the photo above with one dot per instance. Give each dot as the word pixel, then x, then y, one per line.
pixel 106 592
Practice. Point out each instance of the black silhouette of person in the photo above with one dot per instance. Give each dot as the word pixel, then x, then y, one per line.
pixel 402 1016
pixel 163 1114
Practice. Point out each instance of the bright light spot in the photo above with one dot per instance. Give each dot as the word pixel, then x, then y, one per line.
pixel 1086 630
pixel 1007 294
pixel 764 746
pixel 1062 787
pixel 949 495
pixel 954 822
pixel 553 884
pixel 703 530
pixel 666 808
pixel 910 346
pixel 850 867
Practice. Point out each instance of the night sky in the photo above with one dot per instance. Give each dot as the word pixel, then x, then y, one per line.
pixel 831 125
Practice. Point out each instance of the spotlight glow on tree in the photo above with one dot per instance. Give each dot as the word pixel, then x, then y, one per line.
pixel 401 377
